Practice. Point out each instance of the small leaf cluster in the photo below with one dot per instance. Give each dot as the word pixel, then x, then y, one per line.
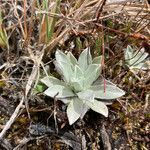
pixel 135 60
pixel 81 87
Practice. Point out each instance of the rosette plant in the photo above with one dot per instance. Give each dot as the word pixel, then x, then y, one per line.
pixel 135 59
pixel 81 86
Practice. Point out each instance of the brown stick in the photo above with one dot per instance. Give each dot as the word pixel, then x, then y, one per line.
pixel 12 119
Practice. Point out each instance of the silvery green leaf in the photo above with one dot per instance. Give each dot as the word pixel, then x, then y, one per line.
pixel 66 100
pixel 128 53
pixel 138 66
pixel 63 65
pixel 72 113
pixel 76 85
pixel 107 90
pixel 58 68
pixel 84 110
pixel 108 102
pixel 64 69
pixel 91 74
pixel 140 56
pixel 62 91
pixel 98 81
pixel 76 80
pixel 78 73
pixel 72 59
pixel 87 95
pixel 135 59
pixel 50 81
pixel 97 60
pixel 61 57
pixel 85 59
pixel 99 107
pixel 74 110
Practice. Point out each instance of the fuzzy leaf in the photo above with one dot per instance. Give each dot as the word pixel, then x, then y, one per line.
pixel 99 107
pixel 76 81
pixel 91 74
pixel 86 95
pixel 140 57
pixel 135 59
pixel 62 91
pixel 76 85
pixel 74 110
pixel 85 59
pixel 84 110
pixel 65 70
pixel 50 81
pixel 63 65
pixel 66 100
pixel 78 73
pixel 128 53
pixel 72 59
pixel 107 90
pixel 138 66
pixel 61 57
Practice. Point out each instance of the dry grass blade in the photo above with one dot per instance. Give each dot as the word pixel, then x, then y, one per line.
pixel 12 119
pixel 19 18
pixel 34 76
pixel 3 34
pixel 47 22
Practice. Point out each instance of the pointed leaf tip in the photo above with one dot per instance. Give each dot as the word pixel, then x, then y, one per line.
pixel 73 111
pixel 98 107
pixel 85 59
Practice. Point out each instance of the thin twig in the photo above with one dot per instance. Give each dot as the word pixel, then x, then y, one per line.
pixel 12 118
pixel 55 112
pixel 146 102
pixel 105 138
